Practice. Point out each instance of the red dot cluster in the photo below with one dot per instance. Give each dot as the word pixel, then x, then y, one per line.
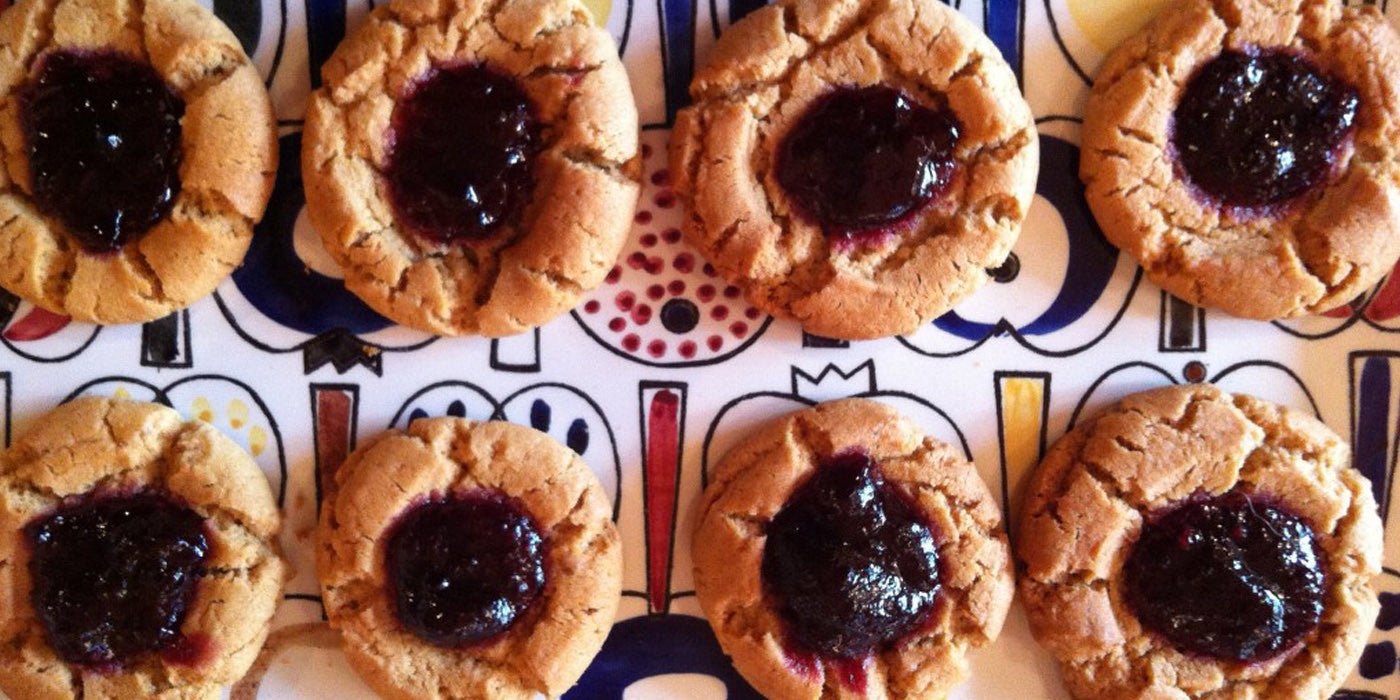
pixel 639 305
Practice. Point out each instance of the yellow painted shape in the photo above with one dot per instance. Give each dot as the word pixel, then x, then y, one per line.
pixel 1022 404
pixel 121 393
pixel 1106 23
pixel 237 414
pixel 201 409
pixel 601 10
pixel 257 440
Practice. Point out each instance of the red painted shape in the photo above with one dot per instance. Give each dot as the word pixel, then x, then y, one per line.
pixel 662 472
pixel 333 410
pixel 1386 305
pixel 36 325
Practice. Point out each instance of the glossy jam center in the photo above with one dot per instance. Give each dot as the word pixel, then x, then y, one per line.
pixel 102 135
pixel 114 577
pixel 1256 129
pixel 1229 577
pixel 464 569
pixel 852 565
pixel 462 151
pixel 862 159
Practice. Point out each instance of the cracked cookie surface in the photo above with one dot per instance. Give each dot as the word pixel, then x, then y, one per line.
pixel 95 446
pixel 227 141
pixel 751 486
pixel 547 648
pixel 764 74
pixel 1086 505
pixel 574 220
pixel 1313 253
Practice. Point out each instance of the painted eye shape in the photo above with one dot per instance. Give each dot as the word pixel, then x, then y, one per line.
pixel 564 413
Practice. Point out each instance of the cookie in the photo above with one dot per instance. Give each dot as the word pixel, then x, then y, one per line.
pixel 138 556
pixel 468 559
pixel 473 166
pixel 1189 543
pixel 839 553
pixel 137 151
pixel 856 166
pixel 1247 153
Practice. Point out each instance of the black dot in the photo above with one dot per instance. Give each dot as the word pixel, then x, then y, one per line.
pixel 1008 270
pixel 680 316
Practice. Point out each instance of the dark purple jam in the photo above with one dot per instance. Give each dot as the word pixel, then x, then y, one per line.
pixel 852 565
pixel 1260 128
pixel 462 150
pixel 102 133
pixel 862 159
pixel 114 576
pixel 1229 577
pixel 464 569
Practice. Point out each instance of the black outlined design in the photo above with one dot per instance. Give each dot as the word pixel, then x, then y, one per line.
pixel 534 405
pixel 1223 374
pixel 864 373
pixel 1117 370
pixel 39 335
pixel 1181 327
pixel 662 304
pixel 1219 377
pixel 1372 389
pixel 817 341
pixel 1064 50
pixel 1377 307
pixel 519 353
pixel 662 419
pixel 337 347
pixel 626 36
pixel 335 420
pixel 163 395
pixel 165 342
pixel 796 401
pixel 1004 429
pixel 1091 279
pixel 250 22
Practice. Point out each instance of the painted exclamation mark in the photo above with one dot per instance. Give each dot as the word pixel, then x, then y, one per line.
pixel 1005 26
pixel 663 419
pixel 325 27
pixel 165 342
pixel 1182 327
pixel 1023 404
pixel 1373 420
pixel 334 411
pixel 677 52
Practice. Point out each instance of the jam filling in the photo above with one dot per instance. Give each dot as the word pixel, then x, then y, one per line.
pixel 863 159
pixel 462 149
pixel 853 566
pixel 464 569
pixel 1230 577
pixel 114 577
pixel 1255 129
pixel 102 134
